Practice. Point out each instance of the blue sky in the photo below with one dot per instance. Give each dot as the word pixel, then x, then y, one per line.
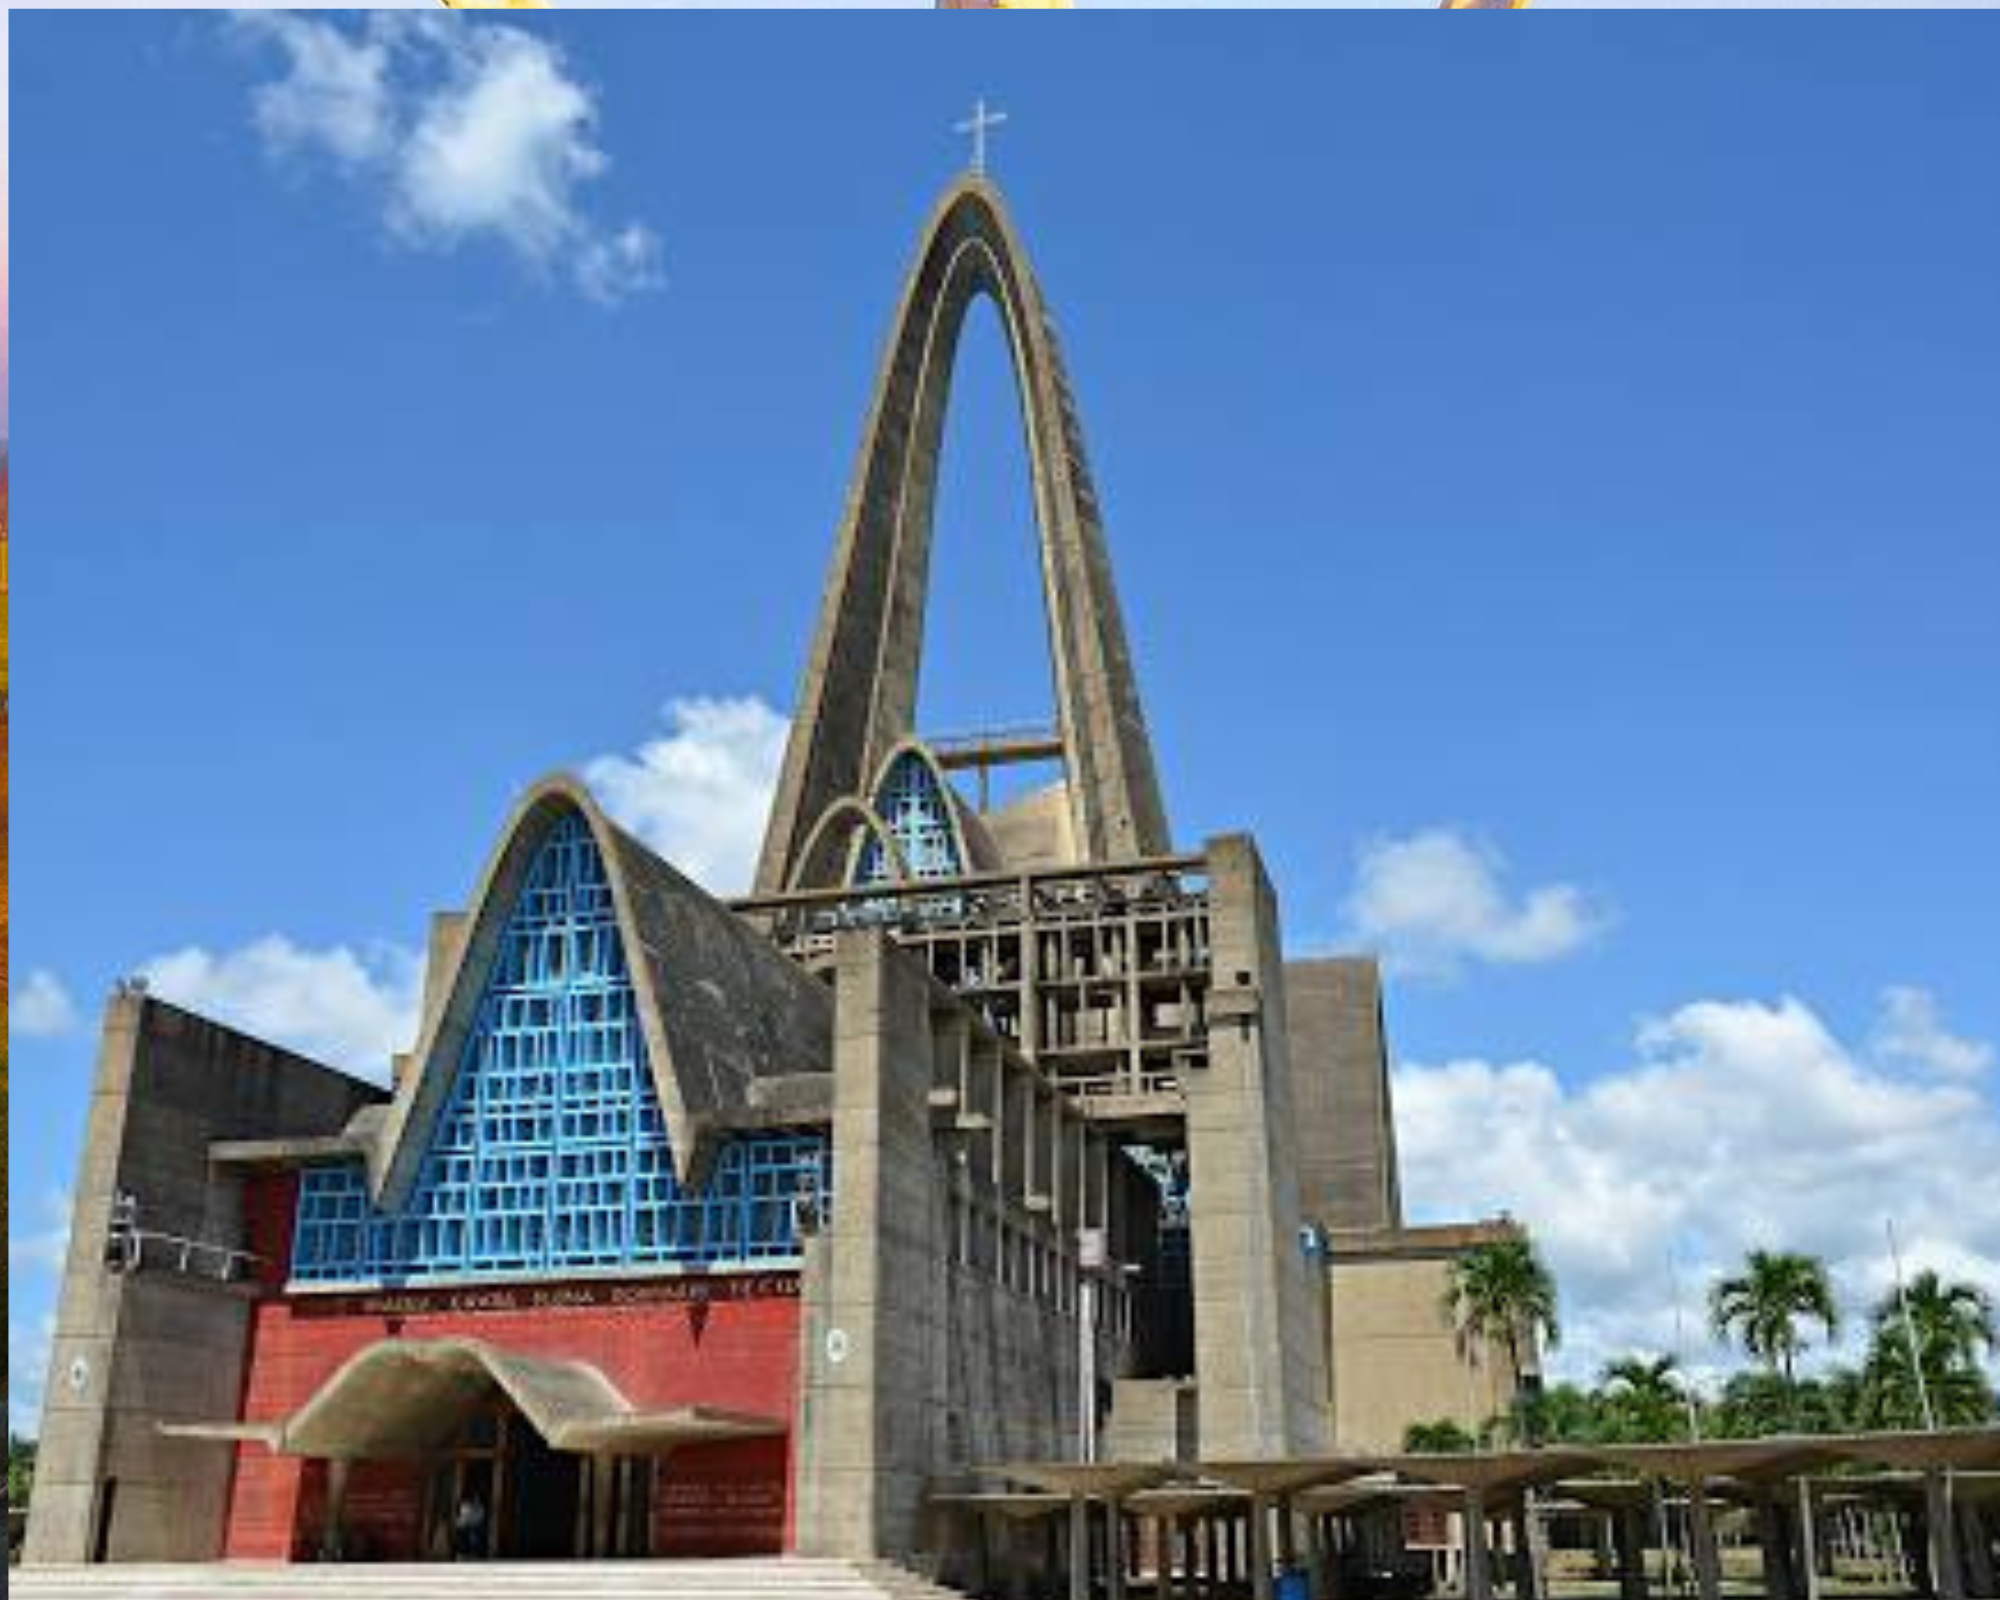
pixel 1550 472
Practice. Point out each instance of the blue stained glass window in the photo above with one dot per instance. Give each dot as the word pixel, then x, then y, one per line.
pixel 919 815
pixel 550 1153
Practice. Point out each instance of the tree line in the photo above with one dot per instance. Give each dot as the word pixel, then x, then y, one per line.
pixel 1924 1362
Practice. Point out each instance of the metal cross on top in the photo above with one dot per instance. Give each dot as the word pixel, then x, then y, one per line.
pixel 976 125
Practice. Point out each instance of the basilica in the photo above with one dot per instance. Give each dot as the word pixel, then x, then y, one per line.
pixel 979 1132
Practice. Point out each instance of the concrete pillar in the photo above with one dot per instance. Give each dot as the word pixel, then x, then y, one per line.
pixel 333 1540
pixel 1947 1573
pixel 1079 1547
pixel 1013 1559
pixel 1163 1557
pixel 1629 1530
pixel 604 1469
pixel 1701 1534
pixel 1978 1549
pixel 1527 1566
pixel 1808 1541
pixel 1774 1546
pixel 1319 1557
pixel 1114 1547
pixel 1478 1572
pixel 1260 1547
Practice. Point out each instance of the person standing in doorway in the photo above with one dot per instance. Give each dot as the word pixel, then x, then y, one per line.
pixel 468 1528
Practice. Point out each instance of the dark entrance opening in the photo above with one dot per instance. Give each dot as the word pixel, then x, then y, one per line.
pixel 526 1494
pixel 534 1502
pixel 541 1498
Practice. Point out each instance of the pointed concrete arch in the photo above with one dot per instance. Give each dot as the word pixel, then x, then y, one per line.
pixel 719 1006
pixel 826 860
pixel 969 836
pixel 860 689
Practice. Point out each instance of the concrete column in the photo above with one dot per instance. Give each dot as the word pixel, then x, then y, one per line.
pixel 1947 1573
pixel 1630 1533
pixel 1808 1541
pixel 604 1469
pixel 1260 1547
pixel 1114 1547
pixel 1163 1557
pixel 1527 1569
pixel 1211 1558
pixel 1016 1558
pixel 1978 1552
pixel 1478 1571
pixel 333 1541
pixel 1079 1548
pixel 1319 1557
pixel 1774 1545
pixel 1701 1534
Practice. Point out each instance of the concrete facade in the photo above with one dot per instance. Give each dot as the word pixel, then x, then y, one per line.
pixel 163 1339
pixel 1396 1359
pixel 1348 1175
pixel 945 1301
pixel 1260 1355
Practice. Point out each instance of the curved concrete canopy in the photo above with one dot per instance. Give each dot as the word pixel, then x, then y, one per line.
pixel 402 1398
pixel 720 1007
pixel 860 689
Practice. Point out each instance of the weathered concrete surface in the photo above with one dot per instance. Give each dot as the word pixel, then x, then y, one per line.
pixel 134 1350
pixel 859 693
pixel 1340 1094
pixel 1395 1357
pixel 940 1322
pixel 1258 1319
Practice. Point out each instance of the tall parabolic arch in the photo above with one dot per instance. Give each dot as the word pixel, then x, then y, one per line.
pixel 859 694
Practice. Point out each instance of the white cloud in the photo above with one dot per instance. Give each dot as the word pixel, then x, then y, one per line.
pixel 1433 900
pixel 1738 1124
pixel 45 1247
pixel 1912 1031
pixel 41 1007
pixel 353 1009
pixel 335 92
pixel 699 795
pixel 460 130
pixel 27 1371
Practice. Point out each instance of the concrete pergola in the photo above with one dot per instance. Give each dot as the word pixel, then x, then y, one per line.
pixel 1762 1473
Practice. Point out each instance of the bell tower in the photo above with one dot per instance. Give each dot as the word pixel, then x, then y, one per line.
pixel 857 703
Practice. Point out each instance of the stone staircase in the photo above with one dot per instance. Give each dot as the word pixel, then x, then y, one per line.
pixel 770 1578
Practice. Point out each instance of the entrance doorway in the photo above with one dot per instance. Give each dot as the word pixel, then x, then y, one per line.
pixel 532 1502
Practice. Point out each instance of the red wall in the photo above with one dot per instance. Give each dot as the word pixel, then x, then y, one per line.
pixel 736 1353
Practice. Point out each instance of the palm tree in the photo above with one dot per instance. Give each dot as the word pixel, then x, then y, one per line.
pixel 1440 1438
pixel 1953 1325
pixel 1767 1303
pixel 1501 1292
pixel 1643 1399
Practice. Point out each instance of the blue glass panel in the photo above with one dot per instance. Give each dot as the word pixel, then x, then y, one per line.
pixel 919 815
pixel 551 1153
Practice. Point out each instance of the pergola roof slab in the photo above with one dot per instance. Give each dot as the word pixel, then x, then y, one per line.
pixel 1288 1474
